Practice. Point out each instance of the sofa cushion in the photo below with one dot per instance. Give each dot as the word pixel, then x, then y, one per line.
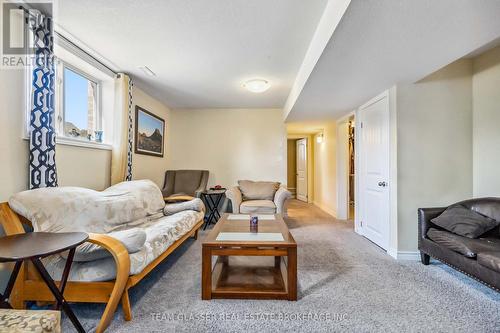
pixel 133 239
pixel 66 209
pixel 251 190
pixel 464 245
pixel 490 260
pixel 257 206
pixel 464 221
pixel 160 235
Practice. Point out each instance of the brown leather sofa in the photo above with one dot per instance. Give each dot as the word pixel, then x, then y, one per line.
pixel 478 258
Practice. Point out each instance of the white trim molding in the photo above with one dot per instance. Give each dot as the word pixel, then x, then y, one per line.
pixel 403 255
pixel 60 140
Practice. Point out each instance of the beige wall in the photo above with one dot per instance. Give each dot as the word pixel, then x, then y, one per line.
pixel 325 172
pixel 434 139
pixel 486 123
pixel 13 149
pixel 146 166
pixel 84 167
pixel 232 144
pixel 291 168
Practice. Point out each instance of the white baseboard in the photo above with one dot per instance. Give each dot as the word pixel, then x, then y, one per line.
pixel 326 209
pixel 392 252
pixel 404 255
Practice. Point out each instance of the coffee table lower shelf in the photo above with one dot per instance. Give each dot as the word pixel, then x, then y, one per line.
pixel 240 281
pixel 260 282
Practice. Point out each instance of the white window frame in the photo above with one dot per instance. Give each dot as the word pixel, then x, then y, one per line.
pixel 59 106
pixel 60 98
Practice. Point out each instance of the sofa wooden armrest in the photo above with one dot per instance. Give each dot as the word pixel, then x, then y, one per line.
pixel 122 260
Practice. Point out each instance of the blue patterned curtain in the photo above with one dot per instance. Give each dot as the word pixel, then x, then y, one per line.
pixel 42 134
pixel 130 134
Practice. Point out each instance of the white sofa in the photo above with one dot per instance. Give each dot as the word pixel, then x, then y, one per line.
pixel 128 231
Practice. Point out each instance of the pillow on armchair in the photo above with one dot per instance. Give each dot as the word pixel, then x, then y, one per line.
pixel 251 190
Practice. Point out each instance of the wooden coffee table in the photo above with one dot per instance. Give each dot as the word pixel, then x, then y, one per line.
pixel 237 272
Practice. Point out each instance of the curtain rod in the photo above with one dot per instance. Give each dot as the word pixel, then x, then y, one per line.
pixel 74 46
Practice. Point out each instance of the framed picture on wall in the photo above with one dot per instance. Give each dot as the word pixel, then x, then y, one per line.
pixel 149 133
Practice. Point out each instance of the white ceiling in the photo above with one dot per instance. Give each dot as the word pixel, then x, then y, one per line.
pixel 201 51
pixel 379 43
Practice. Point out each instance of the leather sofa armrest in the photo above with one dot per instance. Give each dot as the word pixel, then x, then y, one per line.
pixel 425 215
pixel 234 194
pixel 282 194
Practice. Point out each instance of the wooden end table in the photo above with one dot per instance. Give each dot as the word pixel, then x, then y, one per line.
pixel 34 246
pixel 249 279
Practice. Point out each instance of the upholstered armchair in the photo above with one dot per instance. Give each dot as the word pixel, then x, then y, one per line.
pixel 258 198
pixel 185 182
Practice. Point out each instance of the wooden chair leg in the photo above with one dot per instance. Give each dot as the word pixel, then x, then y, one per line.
pixel 127 310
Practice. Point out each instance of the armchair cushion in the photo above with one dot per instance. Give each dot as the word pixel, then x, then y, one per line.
pixel 251 190
pixel 257 206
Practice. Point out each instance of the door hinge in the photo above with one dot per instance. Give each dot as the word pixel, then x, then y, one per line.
pixel 361 124
pixel 361 223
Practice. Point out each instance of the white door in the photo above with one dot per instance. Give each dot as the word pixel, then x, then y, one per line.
pixel 374 200
pixel 302 169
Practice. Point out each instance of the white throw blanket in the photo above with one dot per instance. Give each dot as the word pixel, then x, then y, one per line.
pixel 65 209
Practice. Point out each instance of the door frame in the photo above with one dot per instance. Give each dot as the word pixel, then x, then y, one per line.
pixel 390 94
pixel 343 167
pixel 310 159
pixel 306 141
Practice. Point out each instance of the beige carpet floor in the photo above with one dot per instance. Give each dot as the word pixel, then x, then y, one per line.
pixel 346 283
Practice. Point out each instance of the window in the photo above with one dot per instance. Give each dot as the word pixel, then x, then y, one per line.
pixel 83 101
pixel 78 109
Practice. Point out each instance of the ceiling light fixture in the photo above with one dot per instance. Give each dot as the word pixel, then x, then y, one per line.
pixel 147 71
pixel 257 85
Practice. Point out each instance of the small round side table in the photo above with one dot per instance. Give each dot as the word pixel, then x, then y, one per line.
pixel 34 246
